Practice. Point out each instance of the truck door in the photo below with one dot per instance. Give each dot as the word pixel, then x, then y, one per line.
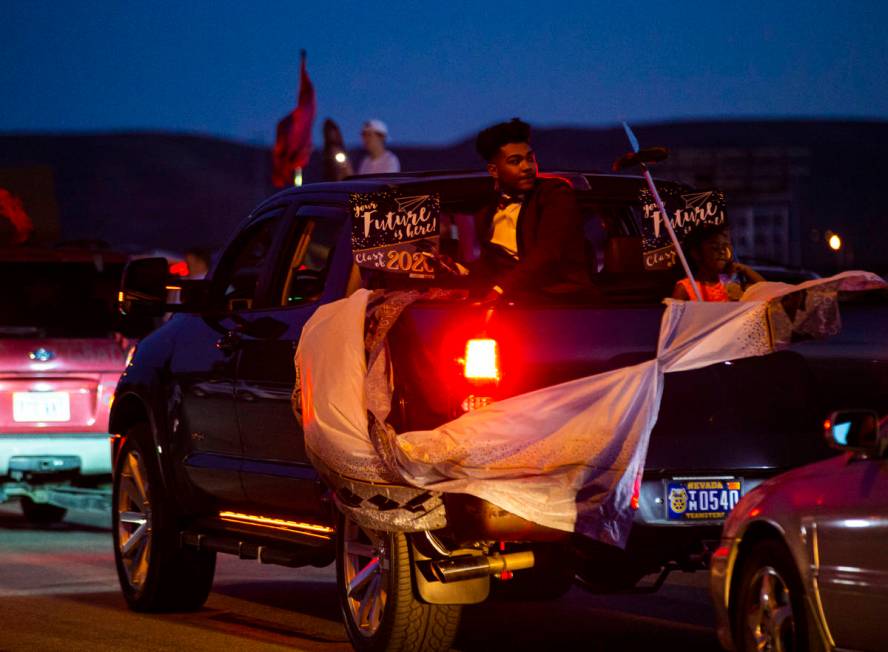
pixel 314 267
pixel 204 366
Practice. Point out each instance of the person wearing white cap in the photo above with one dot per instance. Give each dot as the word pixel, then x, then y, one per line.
pixel 379 160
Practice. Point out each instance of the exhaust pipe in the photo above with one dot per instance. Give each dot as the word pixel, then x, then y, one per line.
pixel 456 569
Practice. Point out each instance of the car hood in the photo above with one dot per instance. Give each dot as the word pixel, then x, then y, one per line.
pixel 785 493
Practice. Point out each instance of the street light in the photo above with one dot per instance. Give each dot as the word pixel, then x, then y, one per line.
pixel 833 240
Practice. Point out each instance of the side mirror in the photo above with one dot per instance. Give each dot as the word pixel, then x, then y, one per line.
pixel 143 288
pixel 853 430
pixel 148 290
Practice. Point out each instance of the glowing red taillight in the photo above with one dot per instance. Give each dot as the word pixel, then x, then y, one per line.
pixel 179 269
pixel 636 490
pixel 482 360
pixel 722 552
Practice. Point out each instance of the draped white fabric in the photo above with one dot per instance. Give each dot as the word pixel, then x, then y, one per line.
pixel 330 372
pixel 565 456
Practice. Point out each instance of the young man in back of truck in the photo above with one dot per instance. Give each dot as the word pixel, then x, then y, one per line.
pixel 531 234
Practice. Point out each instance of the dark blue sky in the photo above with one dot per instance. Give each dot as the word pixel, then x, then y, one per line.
pixel 434 73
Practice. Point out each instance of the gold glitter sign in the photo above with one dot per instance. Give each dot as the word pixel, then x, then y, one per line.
pixel 394 232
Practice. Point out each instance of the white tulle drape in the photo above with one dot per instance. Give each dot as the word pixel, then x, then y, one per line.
pixel 565 456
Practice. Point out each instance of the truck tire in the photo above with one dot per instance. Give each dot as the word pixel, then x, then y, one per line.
pixel 155 573
pixel 41 513
pixel 382 614
pixel 768 610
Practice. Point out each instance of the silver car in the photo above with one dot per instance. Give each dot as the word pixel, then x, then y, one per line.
pixel 803 561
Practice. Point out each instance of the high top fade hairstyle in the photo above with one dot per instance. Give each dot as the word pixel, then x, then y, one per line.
pixel 491 139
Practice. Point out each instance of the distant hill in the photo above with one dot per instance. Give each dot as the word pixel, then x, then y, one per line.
pixel 161 190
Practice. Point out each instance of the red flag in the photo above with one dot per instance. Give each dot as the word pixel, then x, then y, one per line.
pixel 11 209
pixel 292 146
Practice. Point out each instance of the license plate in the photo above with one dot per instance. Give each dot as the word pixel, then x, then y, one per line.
pixel 41 406
pixel 701 499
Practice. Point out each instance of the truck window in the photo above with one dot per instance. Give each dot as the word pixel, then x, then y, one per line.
pixel 312 251
pixel 595 230
pixel 239 273
pixel 603 224
pixel 458 240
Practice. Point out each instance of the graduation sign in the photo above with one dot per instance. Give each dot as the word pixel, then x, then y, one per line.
pixel 687 211
pixel 394 232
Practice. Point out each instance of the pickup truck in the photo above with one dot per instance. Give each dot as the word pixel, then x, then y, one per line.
pixel 209 456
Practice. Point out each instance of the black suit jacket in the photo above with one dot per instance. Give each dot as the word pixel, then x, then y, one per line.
pixel 551 243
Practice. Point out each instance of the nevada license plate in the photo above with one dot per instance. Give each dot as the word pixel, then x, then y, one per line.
pixel 41 407
pixel 701 499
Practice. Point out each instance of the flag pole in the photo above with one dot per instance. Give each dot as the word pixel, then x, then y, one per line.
pixel 653 188
pixel 297 172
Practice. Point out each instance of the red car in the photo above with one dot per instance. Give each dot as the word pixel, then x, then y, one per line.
pixel 59 364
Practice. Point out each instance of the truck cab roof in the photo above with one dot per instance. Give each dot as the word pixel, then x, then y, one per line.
pixel 466 185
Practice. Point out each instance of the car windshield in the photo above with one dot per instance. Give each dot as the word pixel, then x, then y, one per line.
pixel 58 299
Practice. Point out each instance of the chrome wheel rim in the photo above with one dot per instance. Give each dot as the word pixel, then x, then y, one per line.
pixel 367 564
pixel 134 519
pixel 770 620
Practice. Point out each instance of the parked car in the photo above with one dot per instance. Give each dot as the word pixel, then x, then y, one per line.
pixel 783 274
pixel 803 561
pixel 60 360
pixel 205 433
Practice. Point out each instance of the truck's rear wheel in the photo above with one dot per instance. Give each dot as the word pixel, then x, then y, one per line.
pixel 155 573
pixel 374 574
pixel 42 513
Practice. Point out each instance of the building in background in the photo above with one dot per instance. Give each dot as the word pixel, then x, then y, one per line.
pixel 760 183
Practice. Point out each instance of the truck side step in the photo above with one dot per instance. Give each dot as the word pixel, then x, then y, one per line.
pixel 267 539
pixel 292 556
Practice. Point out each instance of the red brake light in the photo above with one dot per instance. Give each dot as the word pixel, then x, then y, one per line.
pixel 722 552
pixel 482 360
pixel 636 490
pixel 179 268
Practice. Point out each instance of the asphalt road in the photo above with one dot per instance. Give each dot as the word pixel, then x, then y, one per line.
pixel 59 591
